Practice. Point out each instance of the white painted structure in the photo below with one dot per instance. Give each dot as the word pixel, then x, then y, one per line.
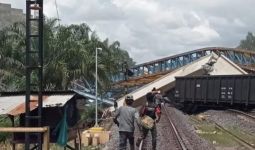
pixel 221 66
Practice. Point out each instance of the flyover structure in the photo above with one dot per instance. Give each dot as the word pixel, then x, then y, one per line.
pixel 211 64
pixel 150 71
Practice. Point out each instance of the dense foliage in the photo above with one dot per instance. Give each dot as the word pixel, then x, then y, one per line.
pixel 4 122
pixel 248 43
pixel 69 54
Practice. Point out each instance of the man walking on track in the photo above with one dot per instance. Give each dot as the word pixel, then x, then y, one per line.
pixel 158 99
pixel 125 116
pixel 150 115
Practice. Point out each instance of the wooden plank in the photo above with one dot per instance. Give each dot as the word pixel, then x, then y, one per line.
pixel 44 130
pixel 23 129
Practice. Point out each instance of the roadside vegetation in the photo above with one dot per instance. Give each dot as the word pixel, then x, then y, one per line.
pixel 4 122
pixel 248 43
pixel 69 54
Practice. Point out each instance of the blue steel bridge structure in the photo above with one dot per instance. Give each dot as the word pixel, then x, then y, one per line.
pixel 149 71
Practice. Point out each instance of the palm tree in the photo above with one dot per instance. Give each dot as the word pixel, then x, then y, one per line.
pixel 69 54
pixel 11 52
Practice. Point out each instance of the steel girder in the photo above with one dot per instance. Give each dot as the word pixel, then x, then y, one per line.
pixel 244 58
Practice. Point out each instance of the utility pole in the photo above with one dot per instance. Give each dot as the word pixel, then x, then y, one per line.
pixel 96 120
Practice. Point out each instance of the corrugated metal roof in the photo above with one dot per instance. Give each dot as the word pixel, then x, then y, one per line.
pixel 93 97
pixel 15 105
pixel 57 100
pixel 7 104
pixel 19 109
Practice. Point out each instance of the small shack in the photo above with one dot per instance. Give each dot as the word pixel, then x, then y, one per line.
pixel 56 105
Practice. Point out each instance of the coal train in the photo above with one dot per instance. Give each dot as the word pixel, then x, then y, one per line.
pixel 224 90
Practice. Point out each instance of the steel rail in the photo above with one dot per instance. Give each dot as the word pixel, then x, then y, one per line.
pixel 176 133
pixel 240 140
pixel 243 113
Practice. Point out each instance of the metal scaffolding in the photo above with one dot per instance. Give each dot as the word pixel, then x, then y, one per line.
pixel 34 67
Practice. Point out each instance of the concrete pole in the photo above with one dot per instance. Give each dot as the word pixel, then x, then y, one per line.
pixel 96 120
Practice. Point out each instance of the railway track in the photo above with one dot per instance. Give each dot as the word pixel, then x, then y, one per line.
pixel 170 135
pixel 243 113
pixel 238 139
pixel 235 137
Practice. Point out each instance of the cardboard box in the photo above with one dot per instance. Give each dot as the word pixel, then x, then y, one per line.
pixel 95 140
pixel 104 137
pixel 87 139
pixel 95 137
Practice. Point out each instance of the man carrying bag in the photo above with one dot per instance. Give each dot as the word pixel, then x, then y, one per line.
pixel 149 116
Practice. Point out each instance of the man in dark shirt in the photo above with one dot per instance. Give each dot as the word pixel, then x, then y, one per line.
pixel 158 98
pixel 125 116
pixel 152 110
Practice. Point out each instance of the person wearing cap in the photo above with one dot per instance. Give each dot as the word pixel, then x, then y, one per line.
pixel 151 110
pixel 126 116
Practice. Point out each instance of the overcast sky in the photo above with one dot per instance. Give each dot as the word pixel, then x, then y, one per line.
pixel 151 29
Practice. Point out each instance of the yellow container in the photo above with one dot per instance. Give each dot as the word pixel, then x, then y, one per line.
pixel 96 129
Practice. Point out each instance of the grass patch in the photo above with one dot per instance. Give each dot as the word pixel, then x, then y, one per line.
pixel 215 136
pixel 243 135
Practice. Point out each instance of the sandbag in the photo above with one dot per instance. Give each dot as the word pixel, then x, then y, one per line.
pixel 147 122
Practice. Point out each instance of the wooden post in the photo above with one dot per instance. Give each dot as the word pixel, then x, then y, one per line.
pixel 75 144
pixel 13 125
pixel 44 130
pixel 46 139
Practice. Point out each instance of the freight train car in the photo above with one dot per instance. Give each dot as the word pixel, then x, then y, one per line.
pixel 216 90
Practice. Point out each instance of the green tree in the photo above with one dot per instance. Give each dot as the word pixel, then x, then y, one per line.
pixel 248 43
pixel 12 44
pixel 69 54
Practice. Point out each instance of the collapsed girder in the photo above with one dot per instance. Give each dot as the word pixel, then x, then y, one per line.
pixel 211 64
pixel 147 72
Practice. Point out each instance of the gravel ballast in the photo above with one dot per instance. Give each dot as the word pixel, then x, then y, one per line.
pixel 229 119
pixel 182 122
pixel 187 131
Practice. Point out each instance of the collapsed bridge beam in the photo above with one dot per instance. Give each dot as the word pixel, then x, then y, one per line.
pixel 143 73
pixel 221 66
